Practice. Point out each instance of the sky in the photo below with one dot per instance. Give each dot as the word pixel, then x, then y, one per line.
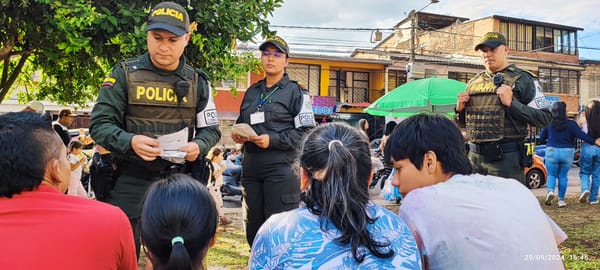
pixel 384 14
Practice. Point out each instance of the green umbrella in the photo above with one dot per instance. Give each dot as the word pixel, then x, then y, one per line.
pixel 430 95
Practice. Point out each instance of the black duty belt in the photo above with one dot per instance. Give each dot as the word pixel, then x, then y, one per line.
pixel 142 173
pixel 507 147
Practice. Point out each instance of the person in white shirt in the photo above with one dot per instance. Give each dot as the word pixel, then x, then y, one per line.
pixel 77 160
pixel 463 220
pixel 215 155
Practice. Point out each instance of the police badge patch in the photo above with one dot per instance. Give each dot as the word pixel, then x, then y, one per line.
pixel 208 116
pixel 539 101
pixel 306 117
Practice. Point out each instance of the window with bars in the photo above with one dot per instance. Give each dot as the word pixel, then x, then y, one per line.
pixel 396 78
pixel 594 86
pixel 528 37
pixel 559 81
pixel 461 76
pixel 349 86
pixel 307 75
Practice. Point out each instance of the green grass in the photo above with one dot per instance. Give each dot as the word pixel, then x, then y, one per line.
pixel 230 250
pixel 581 222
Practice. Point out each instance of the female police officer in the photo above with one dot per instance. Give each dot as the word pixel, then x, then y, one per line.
pixel 280 112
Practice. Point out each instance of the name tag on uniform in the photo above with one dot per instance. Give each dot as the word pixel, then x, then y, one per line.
pixel 257 118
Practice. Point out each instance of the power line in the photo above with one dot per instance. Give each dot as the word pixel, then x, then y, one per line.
pixel 331 40
pixel 590 35
pixel 331 28
pixel 405 28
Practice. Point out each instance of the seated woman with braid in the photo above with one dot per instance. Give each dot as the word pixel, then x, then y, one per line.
pixel 336 226
pixel 178 223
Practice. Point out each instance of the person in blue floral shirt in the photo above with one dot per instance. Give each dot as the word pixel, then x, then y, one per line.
pixel 336 226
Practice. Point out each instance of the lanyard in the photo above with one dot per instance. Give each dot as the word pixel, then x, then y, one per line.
pixel 263 99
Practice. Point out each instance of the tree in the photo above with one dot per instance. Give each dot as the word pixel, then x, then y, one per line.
pixel 75 42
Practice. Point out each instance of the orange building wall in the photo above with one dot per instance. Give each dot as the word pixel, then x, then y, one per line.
pixel 227 102
pixel 255 77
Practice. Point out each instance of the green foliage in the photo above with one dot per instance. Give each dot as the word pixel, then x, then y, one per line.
pixel 75 42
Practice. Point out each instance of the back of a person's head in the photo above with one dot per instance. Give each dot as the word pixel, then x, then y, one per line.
pixel 335 155
pixel 27 144
pixel 362 123
pixel 592 115
pixel 416 135
pixel 389 127
pixel 559 116
pixel 178 223
pixel 213 152
pixel 336 160
pixel 75 144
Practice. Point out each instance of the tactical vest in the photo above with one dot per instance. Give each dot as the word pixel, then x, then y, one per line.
pixel 485 117
pixel 154 107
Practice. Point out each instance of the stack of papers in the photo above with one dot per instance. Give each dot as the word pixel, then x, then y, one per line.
pixel 243 130
pixel 170 144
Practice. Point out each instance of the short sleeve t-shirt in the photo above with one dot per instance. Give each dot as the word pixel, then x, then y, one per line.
pixel 482 222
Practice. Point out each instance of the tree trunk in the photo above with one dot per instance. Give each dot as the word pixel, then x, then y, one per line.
pixel 7 80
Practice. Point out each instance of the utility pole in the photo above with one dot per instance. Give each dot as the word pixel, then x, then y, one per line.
pixel 413 36
pixel 413 29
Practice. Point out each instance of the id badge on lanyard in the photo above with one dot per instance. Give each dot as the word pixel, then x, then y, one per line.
pixel 259 116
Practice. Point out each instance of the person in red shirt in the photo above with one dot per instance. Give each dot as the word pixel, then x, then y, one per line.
pixel 40 226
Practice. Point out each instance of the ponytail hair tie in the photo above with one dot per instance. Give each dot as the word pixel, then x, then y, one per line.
pixel 334 141
pixel 177 239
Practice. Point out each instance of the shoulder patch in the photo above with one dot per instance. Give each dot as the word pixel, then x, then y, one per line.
pixel 110 81
pixel 301 84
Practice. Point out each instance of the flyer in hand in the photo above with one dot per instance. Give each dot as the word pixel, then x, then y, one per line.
pixel 243 130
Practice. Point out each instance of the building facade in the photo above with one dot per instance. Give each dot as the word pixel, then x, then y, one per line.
pixel 443 47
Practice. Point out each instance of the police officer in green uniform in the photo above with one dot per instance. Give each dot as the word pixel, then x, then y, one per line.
pixel 280 112
pixel 496 108
pixel 154 94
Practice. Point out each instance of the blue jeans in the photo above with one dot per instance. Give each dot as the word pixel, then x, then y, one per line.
pixel 558 161
pixel 590 165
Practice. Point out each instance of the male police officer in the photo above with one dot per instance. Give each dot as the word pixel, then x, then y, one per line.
pixel 496 108
pixel 154 94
